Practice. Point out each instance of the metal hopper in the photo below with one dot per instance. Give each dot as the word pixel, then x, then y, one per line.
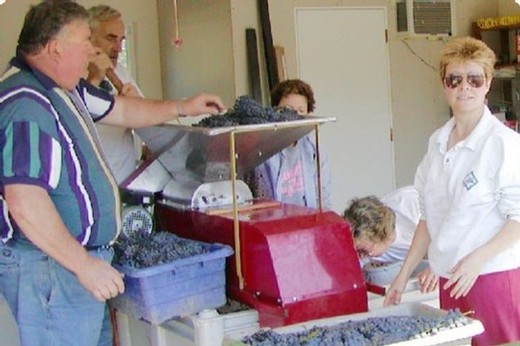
pixel 204 153
pixel 194 159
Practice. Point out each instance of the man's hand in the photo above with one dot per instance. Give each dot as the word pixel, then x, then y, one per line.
pixel 101 279
pixel 129 90
pixel 99 63
pixel 134 113
pixel 201 104
pixel 33 210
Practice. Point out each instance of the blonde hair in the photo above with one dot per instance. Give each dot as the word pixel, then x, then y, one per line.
pixel 370 218
pixel 101 13
pixel 466 49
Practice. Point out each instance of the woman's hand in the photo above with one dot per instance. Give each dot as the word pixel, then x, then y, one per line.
pixel 464 274
pixel 428 282
pixel 395 291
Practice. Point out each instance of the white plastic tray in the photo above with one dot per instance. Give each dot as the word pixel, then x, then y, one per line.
pixel 474 327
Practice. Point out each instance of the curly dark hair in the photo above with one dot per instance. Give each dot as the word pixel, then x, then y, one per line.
pixel 293 87
pixel 45 20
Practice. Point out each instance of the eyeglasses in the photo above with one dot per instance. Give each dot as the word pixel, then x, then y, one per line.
pixel 366 249
pixel 454 80
pixel 371 248
pixel 362 253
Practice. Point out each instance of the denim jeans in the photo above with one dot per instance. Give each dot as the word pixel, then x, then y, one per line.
pixel 49 304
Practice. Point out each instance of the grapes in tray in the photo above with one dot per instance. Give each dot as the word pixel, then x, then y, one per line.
pixel 381 330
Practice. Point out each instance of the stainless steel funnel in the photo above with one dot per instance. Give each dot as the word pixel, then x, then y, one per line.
pixel 203 154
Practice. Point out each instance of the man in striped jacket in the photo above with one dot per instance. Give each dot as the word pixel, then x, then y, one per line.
pixel 59 201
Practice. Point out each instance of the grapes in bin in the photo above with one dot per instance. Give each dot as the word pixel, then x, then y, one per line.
pixel 142 249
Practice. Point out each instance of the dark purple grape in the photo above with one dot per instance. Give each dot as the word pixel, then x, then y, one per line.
pixel 247 111
pixel 372 331
pixel 142 249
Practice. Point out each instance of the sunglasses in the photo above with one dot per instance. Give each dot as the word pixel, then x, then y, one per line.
pixel 454 80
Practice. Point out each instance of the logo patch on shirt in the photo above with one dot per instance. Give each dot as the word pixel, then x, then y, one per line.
pixel 470 180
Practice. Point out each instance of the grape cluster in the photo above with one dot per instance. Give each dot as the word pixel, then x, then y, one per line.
pixel 372 331
pixel 142 249
pixel 247 111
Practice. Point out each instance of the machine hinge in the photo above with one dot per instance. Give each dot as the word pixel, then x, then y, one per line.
pixel 391 134
pixel 386 35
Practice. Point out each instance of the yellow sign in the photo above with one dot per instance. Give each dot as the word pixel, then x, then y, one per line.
pixel 497 22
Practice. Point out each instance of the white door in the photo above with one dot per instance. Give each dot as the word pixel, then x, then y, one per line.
pixel 343 54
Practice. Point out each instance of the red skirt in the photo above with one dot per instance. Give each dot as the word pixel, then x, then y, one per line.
pixel 495 298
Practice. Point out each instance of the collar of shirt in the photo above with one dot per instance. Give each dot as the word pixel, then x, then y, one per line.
pixel 20 62
pixel 106 85
pixel 471 141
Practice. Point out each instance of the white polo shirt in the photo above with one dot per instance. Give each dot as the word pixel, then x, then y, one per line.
pixel 468 193
pixel 405 204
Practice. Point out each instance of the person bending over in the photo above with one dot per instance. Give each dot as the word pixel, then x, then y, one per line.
pixel 383 229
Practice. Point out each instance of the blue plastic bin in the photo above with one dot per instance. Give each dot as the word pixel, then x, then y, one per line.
pixel 182 287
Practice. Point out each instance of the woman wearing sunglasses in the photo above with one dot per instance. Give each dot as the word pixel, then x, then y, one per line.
pixel 469 193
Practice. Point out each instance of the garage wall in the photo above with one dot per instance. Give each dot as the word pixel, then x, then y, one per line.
pixel 213 57
pixel 204 62
pixel 507 8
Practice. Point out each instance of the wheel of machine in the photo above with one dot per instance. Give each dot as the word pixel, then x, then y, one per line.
pixel 136 219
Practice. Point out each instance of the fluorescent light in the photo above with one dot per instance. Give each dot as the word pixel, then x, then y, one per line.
pixel 3 1
pixel 517 2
